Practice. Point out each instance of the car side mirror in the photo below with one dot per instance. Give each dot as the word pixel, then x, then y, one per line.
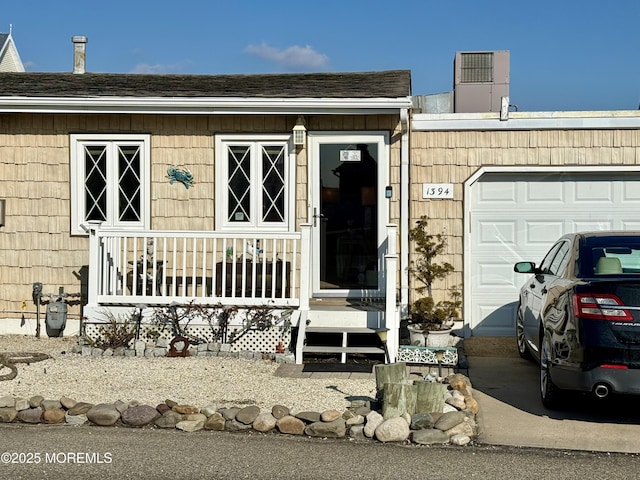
pixel 525 267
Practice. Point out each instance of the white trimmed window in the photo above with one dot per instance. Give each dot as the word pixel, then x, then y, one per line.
pixel 253 179
pixel 109 181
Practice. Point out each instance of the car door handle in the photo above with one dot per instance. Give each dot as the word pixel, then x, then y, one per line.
pixel 544 290
pixel 533 285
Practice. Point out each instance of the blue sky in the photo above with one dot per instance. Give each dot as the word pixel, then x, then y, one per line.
pixel 565 54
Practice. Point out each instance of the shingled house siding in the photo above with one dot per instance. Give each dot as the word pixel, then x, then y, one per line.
pixel 35 243
pixel 454 156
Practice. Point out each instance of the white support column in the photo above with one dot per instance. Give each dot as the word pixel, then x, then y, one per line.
pixel 391 317
pixel 95 268
pixel 305 289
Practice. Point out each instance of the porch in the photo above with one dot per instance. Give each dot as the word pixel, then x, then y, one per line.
pixel 164 268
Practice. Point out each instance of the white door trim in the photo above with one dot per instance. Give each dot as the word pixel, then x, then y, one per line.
pixel 348 137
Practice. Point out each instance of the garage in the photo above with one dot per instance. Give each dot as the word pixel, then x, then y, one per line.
pixel 515 215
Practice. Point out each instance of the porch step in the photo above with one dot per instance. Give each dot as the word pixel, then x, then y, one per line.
pixel 343 340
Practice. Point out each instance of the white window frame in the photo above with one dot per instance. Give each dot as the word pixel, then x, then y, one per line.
pixel 78 207
pixel 222 177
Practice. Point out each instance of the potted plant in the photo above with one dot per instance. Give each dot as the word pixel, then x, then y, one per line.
pixel 428 317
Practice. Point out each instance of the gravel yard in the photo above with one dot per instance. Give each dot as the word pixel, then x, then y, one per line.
pixel 198 381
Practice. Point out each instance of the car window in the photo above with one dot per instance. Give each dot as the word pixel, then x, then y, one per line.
pixel 546 262
pixel 560 260
pixel 615 255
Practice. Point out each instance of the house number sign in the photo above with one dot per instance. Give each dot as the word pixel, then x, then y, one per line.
pixel 437 190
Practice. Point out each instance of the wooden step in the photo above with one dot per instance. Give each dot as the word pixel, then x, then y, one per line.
pixel 340 339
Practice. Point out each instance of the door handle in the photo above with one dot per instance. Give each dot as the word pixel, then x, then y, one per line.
pixel 316 215
pixel 544 289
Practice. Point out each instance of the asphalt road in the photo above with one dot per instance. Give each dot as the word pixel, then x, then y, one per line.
pixel 67 453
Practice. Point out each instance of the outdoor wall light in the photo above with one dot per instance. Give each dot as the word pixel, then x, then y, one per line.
pixel 299 132
pixel 382 335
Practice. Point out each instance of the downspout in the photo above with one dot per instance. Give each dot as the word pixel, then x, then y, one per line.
pixel 404 211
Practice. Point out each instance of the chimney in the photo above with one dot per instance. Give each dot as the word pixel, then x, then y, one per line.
pixel 79 57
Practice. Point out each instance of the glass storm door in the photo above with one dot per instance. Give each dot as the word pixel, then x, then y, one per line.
pixel 348 221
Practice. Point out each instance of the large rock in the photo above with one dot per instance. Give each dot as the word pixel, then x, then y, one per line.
pixel 374 419
pixel 31 415
pixel 330 415
pixel 229 413
pixel 75 419
pixel 35 401
pixel 7 401
pixel 290 425
pixel 185 409
pixel 140 415
pixel 168 419
pixel 8 414
pixel 264 422
pixel 335 429
pixel 420 421
pixel 429 436
pixel 190 425
pixel 209 410
pixel 67 402
pixel 50 404
pixel 393 430
pixel 247 415
pixel 215 422
pixel 308 416
pixel 80 408
pixel 235 426
pixel 22 404
pixel 449 420
pixel 280 411
pixel 103 414
pixel 53 415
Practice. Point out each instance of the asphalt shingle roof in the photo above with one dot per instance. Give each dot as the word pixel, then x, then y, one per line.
pixel 382 84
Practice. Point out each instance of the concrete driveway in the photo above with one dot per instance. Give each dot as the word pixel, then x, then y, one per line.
pixel 506 388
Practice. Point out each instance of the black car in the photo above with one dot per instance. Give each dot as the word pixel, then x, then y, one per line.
pixel 579 315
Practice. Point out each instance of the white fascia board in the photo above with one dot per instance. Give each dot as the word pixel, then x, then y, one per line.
pixel 527 121
pixel 173 105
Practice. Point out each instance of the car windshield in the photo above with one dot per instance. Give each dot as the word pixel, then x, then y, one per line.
pixel 617 255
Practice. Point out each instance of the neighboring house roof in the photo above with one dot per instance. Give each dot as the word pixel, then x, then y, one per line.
pixel 9 58
pixel 383 89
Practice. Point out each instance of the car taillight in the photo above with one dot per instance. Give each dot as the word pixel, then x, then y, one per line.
pixel 600 307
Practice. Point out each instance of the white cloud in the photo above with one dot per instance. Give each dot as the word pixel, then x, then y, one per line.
pixel 158 68
pixel 291 57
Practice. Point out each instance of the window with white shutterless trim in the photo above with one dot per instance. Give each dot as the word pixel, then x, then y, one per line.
pixel 110 181
pixel 253 182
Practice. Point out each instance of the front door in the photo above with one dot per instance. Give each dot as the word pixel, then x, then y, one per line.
pixel 349 212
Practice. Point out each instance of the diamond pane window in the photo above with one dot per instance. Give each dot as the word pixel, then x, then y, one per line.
pixel 108 180
pixel 273 183
pixel 253 182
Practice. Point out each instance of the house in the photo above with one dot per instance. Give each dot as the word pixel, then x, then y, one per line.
pixel 215 189
pixel 9 57
pixel 295 191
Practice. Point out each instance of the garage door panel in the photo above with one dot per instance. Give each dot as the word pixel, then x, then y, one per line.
pixel 542 232
pixel 497 233
pixel 517 217
pixel 543 192
pixel 493 318
pixel 590 192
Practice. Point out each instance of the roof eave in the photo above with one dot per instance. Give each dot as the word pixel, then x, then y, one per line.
pixel 220 105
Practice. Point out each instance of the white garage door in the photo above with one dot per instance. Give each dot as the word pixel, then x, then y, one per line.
pixel 516 217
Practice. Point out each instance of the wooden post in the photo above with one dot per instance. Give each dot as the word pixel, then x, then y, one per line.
pixel 429 397
pixel 399 398
pixel 390 373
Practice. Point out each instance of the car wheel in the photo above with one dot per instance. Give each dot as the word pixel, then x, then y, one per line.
pixel 549 393
pixel 520 337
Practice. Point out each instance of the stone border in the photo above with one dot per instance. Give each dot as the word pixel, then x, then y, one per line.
pixel 361 420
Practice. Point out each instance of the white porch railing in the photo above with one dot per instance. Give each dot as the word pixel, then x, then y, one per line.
pixel 162 267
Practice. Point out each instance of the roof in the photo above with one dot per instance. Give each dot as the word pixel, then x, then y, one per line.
pixel 383 84
pixel 9 57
